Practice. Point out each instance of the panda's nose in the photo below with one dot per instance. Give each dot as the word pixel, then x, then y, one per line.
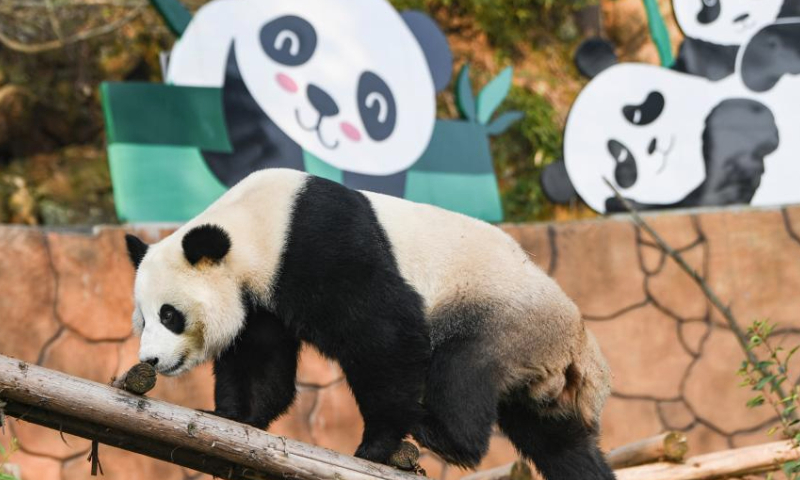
pixel 321 101
pixel 152 361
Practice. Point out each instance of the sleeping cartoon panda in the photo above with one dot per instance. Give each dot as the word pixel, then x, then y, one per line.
pixel 715 29
pixel 352 84
pixel 667 139
pixel 441 323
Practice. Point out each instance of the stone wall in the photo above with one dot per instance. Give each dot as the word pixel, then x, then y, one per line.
pixel 65 303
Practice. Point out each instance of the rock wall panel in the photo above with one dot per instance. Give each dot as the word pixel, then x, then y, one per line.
pixel 66 304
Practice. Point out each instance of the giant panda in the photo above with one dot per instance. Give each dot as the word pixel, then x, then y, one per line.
pixel 350 83
pixel 441 323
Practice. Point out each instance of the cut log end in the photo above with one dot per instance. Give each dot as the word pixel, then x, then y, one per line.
pixel 140 379
pixel 406 458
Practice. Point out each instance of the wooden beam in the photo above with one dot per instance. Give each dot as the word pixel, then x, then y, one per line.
pixel 190 438
pixel 669 446
pixel 726 464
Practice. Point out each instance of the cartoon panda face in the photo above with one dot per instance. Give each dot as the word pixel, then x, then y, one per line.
pixel 350 84
pixel 724 22
pixel 639 126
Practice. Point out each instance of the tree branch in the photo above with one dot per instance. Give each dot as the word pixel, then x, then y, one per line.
pixel 733 324
pixel 78 37
pixel 190 438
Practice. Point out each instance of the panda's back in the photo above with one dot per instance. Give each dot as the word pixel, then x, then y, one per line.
pixel 448 257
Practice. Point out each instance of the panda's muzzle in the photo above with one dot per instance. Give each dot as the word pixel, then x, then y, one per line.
pixel 175 367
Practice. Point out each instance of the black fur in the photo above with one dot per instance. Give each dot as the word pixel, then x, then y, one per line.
pixel 136 249
pixel 255 376
pixel 206 241
pixel 460 395
pixel 340 290
pixel 561 447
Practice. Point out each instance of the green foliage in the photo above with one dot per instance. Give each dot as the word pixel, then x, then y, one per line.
pixel 509 22
pixel 522 152
pixel 765 377
pixel 5 454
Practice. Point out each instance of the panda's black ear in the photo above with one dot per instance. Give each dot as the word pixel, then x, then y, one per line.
pixel 208 242
pixel 556 184
pixel 434 44
pixel 136 249
pixel 595 55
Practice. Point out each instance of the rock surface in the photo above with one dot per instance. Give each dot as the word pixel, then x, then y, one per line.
pixel 67 301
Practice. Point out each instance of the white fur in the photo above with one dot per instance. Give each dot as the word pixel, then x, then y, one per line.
pixel 256 214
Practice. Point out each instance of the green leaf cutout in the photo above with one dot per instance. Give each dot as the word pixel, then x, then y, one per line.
pixel 493 95
pixel 501 123
pixel 465 99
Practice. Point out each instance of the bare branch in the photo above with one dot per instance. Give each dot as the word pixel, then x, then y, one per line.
pixel 733 324
pixel 78 37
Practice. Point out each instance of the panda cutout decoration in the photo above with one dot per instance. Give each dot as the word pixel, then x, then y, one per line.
pixel 441 323
pixel 317 82
pixel 667 139
pixel 715 29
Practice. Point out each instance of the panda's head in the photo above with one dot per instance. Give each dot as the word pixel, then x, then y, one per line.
pixel 188 307
pixel 639 126
pixel 354 83
pixel 725 22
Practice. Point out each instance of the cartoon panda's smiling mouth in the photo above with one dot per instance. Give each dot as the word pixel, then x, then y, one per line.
pixel 316 128
pixel 664 153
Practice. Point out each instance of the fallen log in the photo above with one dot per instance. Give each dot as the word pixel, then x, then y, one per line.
pixel 186 437
pixel 668 446
pixel 726 464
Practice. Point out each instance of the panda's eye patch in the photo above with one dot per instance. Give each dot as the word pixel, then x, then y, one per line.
pixel 172 319
pixel 709 11
pixel 647 112
pixel 377 106
pixel 625 172
pixel 289 40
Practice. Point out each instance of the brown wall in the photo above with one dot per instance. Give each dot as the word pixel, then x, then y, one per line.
pixel 65 303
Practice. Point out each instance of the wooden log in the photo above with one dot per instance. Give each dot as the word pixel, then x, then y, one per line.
pixel 669 446
pixel 726 464
pixel 140 379
pixel 194 439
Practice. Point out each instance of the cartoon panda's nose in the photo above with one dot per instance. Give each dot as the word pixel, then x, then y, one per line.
pixel 321 101
pixel 653 145
pixel 741 18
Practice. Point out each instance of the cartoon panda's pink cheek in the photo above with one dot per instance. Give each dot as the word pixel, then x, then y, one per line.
pixel 350 131
pixel 286 82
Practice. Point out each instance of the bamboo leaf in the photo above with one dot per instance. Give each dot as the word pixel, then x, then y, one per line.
pixel 493 95
pixel 465 99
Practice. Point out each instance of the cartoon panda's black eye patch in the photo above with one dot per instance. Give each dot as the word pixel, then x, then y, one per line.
pixel 647 112
pixel 625 172
pixel 172 319
pixel 709 11
pixel 377 106
pixel 289 40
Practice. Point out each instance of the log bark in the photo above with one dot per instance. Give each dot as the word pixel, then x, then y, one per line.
pixel 669 446
pixel 726 464
pixel 189 438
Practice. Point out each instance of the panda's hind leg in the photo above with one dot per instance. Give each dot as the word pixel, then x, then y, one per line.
pixel 561 444
pixel 460 402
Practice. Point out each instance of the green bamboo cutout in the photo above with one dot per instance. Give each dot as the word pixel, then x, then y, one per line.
pixel 659 33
